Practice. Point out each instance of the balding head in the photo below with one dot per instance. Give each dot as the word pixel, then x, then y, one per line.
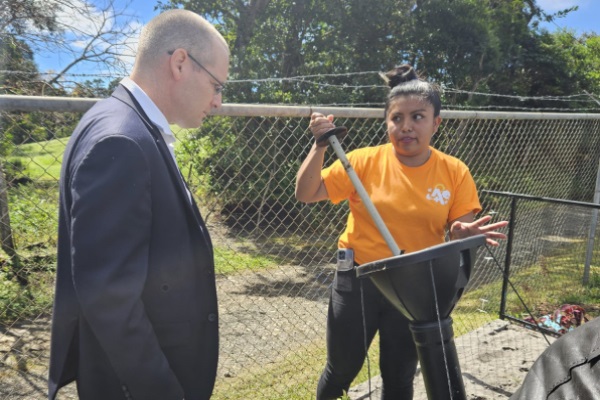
pixel 182 63
pixel 174 29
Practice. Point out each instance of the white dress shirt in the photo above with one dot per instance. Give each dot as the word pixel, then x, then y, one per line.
pixel 156 116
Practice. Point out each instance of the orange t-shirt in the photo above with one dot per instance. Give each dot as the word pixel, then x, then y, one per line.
pixel 416 203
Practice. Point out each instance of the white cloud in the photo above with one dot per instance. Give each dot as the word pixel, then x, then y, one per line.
pixel 129 47
pixel 81 18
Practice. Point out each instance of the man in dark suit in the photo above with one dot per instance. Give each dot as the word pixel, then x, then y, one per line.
pixel 569 369
pixel 135 310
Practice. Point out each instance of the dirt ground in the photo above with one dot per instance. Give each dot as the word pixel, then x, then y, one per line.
pixel 493 359
pixel 261 314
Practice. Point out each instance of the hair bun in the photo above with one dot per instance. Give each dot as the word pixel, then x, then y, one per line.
pixel 400 74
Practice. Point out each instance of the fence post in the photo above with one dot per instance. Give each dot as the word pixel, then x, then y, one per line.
pixel 594 222
pixel 507 260
pixel 6 238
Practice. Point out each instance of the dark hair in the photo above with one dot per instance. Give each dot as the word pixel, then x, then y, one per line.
pixel 403 80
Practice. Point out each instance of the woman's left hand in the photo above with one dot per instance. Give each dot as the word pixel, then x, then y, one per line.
pixel 461 229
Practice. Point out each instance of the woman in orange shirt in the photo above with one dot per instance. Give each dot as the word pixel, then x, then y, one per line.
pixel 420 193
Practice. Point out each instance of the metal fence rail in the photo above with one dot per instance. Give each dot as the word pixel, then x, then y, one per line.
pixel 274 255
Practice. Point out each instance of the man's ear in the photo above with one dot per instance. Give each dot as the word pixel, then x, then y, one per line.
pixel 176 63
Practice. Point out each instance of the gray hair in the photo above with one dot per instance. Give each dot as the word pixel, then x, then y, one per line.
pixel 175 29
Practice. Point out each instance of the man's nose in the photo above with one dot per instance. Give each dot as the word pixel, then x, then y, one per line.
pixel 217 100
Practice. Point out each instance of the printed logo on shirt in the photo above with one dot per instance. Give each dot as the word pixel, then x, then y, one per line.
pixel 439 194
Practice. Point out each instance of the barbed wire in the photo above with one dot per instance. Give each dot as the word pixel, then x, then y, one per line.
pixel 516 108
pixel 585 97
pixel 301 80
pixel 53 73
pixel 474 108
pixel 310 76
pixel 520 97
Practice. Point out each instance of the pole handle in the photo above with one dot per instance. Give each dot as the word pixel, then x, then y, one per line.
pixel 332 137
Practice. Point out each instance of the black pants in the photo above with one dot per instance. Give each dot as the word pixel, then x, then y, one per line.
pixel 346 341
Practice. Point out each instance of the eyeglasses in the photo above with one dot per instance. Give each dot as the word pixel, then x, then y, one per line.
pixel 219 86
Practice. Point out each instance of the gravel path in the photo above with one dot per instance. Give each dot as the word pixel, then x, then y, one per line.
pixel 268 315
pixel 494 360
pixel 263 316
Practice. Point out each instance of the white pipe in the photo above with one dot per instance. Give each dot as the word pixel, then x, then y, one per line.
pixel 360 189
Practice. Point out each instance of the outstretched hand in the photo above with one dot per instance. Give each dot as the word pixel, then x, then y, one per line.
pixel 461 230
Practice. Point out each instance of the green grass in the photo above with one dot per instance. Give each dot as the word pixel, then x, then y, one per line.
pixel 40 161
pixel 18 303
pixel 294 377
pixel 545 286
pixel 228 261
pixel 34 216
pixel 553 282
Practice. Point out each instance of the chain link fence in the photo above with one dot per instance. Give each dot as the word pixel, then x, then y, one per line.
pixel 275 256
pixel 550 260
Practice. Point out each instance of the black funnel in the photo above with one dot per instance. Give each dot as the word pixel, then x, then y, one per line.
pixel 407 281
pixel 425 286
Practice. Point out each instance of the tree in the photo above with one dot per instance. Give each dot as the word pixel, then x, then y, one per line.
pixel 16 17
pixel 284 39
pixel 95 88
pixel 99 33
pixel 455 42
pixel 581 55
pixel 461 44
pixel 17 57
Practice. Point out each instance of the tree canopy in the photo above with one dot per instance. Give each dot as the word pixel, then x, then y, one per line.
pixel 484 53
pixel 310 51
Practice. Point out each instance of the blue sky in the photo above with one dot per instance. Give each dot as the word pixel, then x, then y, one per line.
pixel 138 12
pixel 585 19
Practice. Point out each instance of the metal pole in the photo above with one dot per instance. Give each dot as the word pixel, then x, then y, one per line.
pixel 509 242
pixel 360 189
pixel 10 102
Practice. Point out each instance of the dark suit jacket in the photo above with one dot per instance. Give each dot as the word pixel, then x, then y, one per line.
pixel 135 310
pixel 567 370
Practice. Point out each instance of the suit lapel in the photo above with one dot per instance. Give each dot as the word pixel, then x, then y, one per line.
pixel 122 94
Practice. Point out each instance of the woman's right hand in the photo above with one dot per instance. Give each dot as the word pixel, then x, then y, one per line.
pixel 309 185
pixel 319 124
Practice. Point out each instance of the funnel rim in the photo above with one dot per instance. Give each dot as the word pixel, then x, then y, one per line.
pixel 438 251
